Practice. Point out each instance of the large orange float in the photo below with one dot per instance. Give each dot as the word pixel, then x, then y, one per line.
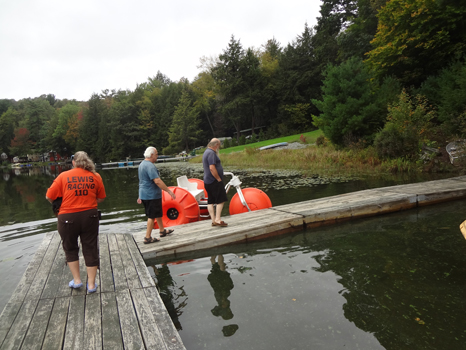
pixel 190 204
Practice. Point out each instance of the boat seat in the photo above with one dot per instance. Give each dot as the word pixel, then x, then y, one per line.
pixel 191 187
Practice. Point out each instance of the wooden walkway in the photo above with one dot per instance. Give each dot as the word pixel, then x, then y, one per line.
pixel 297 216
pixel 126 312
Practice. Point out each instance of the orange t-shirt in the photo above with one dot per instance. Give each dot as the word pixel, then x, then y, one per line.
pixel 79 189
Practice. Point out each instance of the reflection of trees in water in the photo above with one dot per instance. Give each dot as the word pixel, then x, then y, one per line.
pixel 174 298
pixel 403 280
pixel 222 284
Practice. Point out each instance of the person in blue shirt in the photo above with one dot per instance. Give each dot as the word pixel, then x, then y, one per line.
pixel 213 182
pixel 150 194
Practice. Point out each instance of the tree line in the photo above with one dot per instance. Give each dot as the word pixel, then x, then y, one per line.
pixel 371 72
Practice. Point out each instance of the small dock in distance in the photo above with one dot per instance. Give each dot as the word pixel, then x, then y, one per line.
pixel 135 163
pixel 298 216
pixel 126 312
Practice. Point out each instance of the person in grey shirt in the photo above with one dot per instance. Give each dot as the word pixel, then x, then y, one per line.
pixel 213 182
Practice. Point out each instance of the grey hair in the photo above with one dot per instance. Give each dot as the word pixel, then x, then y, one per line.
pixel 82 160
pixel 213 143
pixel 149 151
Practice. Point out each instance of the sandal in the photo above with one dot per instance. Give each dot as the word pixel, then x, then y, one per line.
pixel 165 232
pixel 221 224
pixel 150 240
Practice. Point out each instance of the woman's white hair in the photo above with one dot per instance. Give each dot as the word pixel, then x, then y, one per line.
pixel 149 151
pixel 82 160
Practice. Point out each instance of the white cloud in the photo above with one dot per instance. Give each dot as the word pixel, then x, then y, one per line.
pixel 75 48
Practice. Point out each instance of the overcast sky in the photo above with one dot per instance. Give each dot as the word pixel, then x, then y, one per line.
pixel 74 48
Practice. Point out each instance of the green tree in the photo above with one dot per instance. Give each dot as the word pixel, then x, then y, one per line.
pixel 89 128
pixel 37 112
pixel 299 75
pixel 254 84
pixel 184 130
pixel 408 124
pixel 335 17
pixel 230 83
pixel 447 92
pixel 66 116
pixel 417 38
pixel 356 39
pixel 352 107
pixel 203 88
pixel 7 128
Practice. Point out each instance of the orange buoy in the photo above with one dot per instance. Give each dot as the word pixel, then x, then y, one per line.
pixel 179 211
pixel 255 199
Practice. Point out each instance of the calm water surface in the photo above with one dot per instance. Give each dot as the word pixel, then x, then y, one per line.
pixel 391 282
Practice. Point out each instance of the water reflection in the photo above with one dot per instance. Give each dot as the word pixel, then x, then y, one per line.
pixel 170 294
pixel 389 282
pixel 222 284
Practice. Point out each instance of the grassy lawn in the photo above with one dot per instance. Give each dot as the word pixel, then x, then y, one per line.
pixel 310 138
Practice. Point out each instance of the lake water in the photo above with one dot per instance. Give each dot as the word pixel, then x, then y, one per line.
pixel 395 281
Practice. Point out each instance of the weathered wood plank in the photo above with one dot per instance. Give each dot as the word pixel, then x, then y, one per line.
pixel 54 279
pixel 130 270
pixel 18 329
pixel 111 332
pixel 8 317
pixel 25 282
pixel 199 235
pixel 82 274
pixel 38 284
pixel 141 268
pixel 74 334
pixel 92 322
pixel 132 338
pixel 151 334
pixel 106 276
pixel 57 325
pixel 119 276
pixel 63 289
pixel 38 326
pixel 162 318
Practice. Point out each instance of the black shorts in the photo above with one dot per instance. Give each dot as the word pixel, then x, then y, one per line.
pixel 85 225
pixel 153 208
pixel 216 193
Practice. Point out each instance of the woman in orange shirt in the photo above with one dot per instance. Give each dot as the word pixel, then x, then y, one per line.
pixel 81 188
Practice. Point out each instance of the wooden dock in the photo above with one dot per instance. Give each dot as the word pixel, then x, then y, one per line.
pixel 298 216
pixel 126 312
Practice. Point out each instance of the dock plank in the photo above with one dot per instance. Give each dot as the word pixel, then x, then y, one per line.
pixel 169 333
pixel 38 327
pixel 111 333
pixel 106 276
pixel 56 328
pixel 25 283
pixel 130 270
pixel 42 274
pixel 58 317
pixel 307 214
pixel 74 334
pixel 17 332
pixel 118 270
pixel 132 338
pixel 92 322
pixel 54 279
pixel 152 336
pixel 145 278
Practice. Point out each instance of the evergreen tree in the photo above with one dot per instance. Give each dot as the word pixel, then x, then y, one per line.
pixel 184 130
pixel 352 107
